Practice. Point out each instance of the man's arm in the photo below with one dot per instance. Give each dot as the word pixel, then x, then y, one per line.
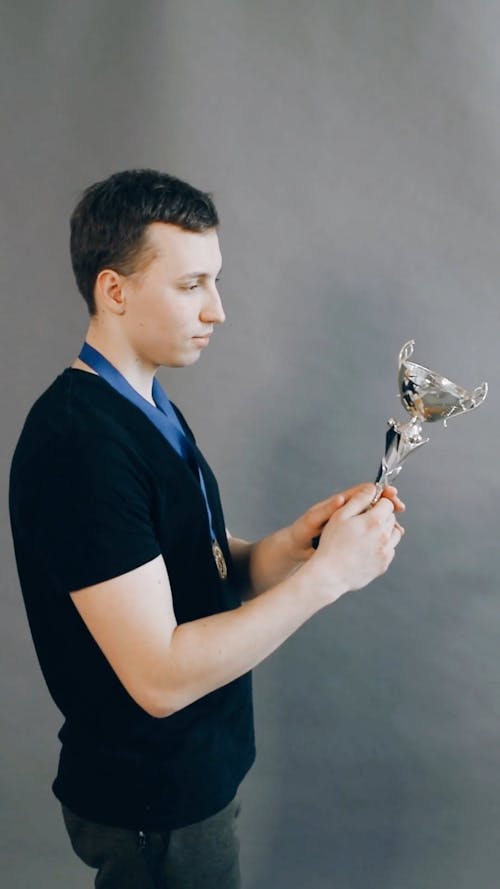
pixel 264 563
pixel 272 559
pixel 165 666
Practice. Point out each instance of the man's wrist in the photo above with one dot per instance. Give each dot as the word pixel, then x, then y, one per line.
pixel 324 580
pixel 291 550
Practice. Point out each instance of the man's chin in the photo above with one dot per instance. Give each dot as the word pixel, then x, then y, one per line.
pixel 185 361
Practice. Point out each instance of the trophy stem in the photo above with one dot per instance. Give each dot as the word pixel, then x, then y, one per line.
pixel 379 487
pixel 401 440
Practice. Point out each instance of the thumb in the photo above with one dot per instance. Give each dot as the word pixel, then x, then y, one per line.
pixel 359 502
pixel 321 512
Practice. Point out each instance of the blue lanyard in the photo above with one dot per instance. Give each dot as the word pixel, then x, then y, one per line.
pixel 163 416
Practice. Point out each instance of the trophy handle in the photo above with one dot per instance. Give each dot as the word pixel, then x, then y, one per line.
pixel 406 352
pixel 481 392
pixel 469 401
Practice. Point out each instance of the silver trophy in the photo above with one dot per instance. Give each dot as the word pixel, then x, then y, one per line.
pixel 428 397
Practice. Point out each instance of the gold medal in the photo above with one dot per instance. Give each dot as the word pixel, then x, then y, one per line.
pixel 219 560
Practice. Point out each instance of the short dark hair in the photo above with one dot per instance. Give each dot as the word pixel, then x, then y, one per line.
pixel 108 225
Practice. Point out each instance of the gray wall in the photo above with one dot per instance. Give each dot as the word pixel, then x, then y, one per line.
pixel 353 149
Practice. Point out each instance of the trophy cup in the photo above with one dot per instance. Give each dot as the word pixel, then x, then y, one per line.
pixel 428 397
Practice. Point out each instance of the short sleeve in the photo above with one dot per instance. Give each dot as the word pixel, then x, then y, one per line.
pixel 90 516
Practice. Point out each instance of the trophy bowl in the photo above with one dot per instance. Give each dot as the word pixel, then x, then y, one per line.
pixel 429 396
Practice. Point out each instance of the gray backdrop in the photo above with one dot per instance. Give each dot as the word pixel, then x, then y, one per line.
pixel 353 150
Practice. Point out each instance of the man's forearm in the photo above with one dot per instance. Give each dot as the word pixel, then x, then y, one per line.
pixel 207 653
pixel 265 563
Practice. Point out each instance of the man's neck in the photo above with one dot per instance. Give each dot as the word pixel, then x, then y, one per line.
pixel 124 360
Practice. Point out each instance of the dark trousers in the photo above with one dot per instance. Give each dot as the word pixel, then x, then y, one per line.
pixel 200 856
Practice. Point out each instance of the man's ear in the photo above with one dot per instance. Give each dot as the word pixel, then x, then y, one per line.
pixel 109 293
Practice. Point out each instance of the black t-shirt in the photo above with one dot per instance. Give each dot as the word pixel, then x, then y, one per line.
pixel 96 491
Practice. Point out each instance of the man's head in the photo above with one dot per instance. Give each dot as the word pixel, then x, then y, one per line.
pixel 146 257
pixel 109 226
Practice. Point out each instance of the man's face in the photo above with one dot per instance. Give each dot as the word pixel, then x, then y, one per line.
pixel 173 303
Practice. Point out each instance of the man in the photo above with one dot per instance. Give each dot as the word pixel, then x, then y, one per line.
pixel 132 587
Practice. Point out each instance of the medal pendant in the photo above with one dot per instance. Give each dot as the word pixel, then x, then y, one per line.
pixel 219 560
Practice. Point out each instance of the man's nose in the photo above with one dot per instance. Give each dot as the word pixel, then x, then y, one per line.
pixel 213 310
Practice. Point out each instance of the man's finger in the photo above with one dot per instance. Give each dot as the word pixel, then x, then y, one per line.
pixel 397 533
pixel 321 512
pixel 390 493
pixel 355 489
pixel 360 500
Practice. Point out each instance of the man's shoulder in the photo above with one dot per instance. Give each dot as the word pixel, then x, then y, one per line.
pixel 81 421
pixel 67 418
pixel 77 402
pixel 45 421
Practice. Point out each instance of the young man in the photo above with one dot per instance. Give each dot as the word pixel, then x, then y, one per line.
pixel 132 587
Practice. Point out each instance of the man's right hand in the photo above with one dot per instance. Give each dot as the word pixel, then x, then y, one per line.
pixel 357 544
